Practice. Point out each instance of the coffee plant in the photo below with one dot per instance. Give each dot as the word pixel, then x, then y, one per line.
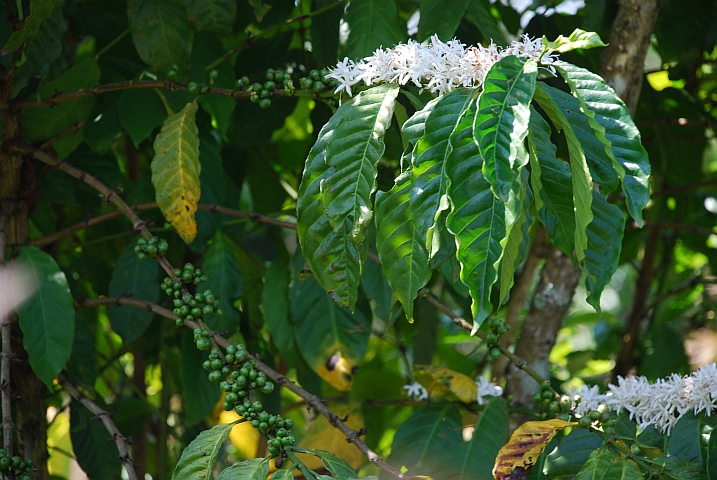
pixel 247 239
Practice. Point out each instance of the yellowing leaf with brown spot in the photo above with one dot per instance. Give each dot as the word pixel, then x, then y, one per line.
pixel 445 384
pixel 336 370
pixel 525 446
pixel 322 436
pixel 175 171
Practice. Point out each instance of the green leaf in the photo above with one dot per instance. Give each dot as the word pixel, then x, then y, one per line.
pixel 175 171
pixel 613 125
pixel 254 469
pixel 516 245
pixel 140 112
pixel 81 369
pixel 161 33
pixel 97 457
pixel 684 439
pixel 338 467
pixel 479 11
pixel 478 219
pixel 200 396
pixel 325 33
pixel 501 122
pixel 432 428
pixel 41 123
pixel 275 302
pixel 376 288
pixel 551 182
pixel 580 173
pixel 334 205
pixel 571 453
pixel 441 18
pixel 282 475
pixel 603 464
pixel 474 459
pixel 260 9
pixel 200 456
pixel 40 10
pixel 604 245
pixel 224 279
pixel 577 39
pixel 215 16
pixel 138 279
pixel 47 319
pixel 712 457
pixel 672 468
pixel 373 24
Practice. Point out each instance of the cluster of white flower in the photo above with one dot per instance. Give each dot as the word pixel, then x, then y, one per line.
pixel 661 403
pixel 439 67
pixel 483 389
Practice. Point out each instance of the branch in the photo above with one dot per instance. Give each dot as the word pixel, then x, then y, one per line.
pixel 117 438
pixel 5 384
pixel 68 131
pixel 352 436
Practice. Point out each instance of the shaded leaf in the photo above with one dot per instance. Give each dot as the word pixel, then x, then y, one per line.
pixel 275 302
pixel 606 465
pixel 479 11
pixel 372 24
pixel 501 122
pixel 40 10
pixel 47 318
pixel 335 453
pixel 577 39
pixel 81 368
pixel 684 439
pixel 325 33
pixel 260 9
pixel 140 112
pixel 712 457
pixel 376 288
pixel 95 454
pixel 517 241
pixel 224 279
pixel 441 18
pixel 215 16
pixel 200 395
pixel 175 171
pixel 445 384
pixel 571 453
pixel 200 456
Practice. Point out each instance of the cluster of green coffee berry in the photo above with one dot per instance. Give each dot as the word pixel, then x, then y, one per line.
pixel 186 305
pixel 497 328
pixel 15 465
pixel 318 82
pixel 562 406
pixel 262 92
pixel 240 378
pixel 150 247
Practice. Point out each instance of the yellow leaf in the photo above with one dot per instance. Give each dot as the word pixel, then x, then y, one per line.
pixel 243 436
pixel 445 384
pixel 337 371
pixel 175 171
pixel 525 446
pixel 322 436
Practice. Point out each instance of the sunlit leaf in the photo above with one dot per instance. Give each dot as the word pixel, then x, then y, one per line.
pixel 442 383
pixel 175 171
pixel 200 456
pixel 604 464
pixel 577 39
pixel 517 242
pixel 254 469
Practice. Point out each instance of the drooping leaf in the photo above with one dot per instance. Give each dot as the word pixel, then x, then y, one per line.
pixel 97 457
pixel 525 446
pixel 175 171
pixel 200 395
pixel 47 319
pixel 604 245
pixel 474 459
pixel 40 10
pixel 501 122
pixel 372 24
pixel 551 182
pixel 200 456
pixel 215 16
pixel 254 469
pixel 224 279
pixel 430 429
pixel 81 368
pixel 603 464
pixel 334 206
pixel 325 33
pixel 441 18
pixel 613 126
pixel 479 12
pixel 140 112
pixel 577 39
pixel 376 288
pixel 517 241
pixel 138 279
pixel 275 302
pixel 161 33
pixel 571 453
pixel 442 383
pixel 580 173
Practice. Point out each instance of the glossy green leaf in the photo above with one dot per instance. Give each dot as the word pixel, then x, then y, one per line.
pixel 501 122
pixel 604 246
pixel 254 469
pixel 684 439
pixel 275 302
pixel 215 16
pixel 551 182
pixel 97 456
pixel 580 173
pixel 441 18
pixel 674 468
pixel 325 33
pixel 175 171
pixel 474 459
pixel 373 24
pixel 224 279
pixel 517 241
pixel 47 318
pixel 571 453
pixel 376 288
pixel 712 457
pixel 40 10
pixel 433 428
pixel 200 456
pixel 603 464
pixel 577 39
pixel 161 33
pixel 334 205
pixel 42 123
pixel 614 127
pixel 200 395
pixel 81 368
pixel 479 12
pixel 140 111
pixel 282 475
pixel 138 279
pixel 338 467
pixel 478 219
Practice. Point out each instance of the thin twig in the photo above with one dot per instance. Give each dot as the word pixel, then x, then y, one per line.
pixel 5 384
pixel 68 131
pixel 117 438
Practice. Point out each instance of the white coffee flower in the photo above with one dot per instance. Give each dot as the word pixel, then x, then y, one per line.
pixel 487 389
pixel 416 390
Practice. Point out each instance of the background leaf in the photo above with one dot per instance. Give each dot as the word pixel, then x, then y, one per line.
pixel 604 464
pixel 215 16
pixel 224 279
pixel 571 453
pixel 97 457
pixel 200 395
pixel 372 24
pixel 440 18
pixel 40 10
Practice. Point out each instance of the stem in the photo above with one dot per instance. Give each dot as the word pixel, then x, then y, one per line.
pixel 5 383
pixel 104 416
pixel 112 43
